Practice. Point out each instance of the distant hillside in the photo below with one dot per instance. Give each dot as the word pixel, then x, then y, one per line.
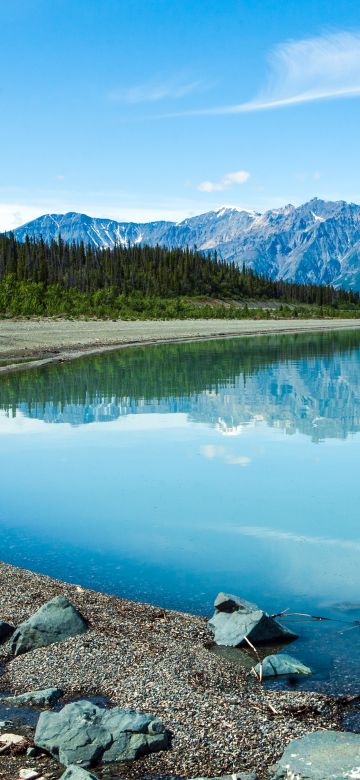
pixel 316 243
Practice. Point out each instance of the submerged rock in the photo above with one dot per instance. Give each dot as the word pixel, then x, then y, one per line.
pixel 82 733
pixel 5 631
pixel 234 619
pixel 54 621
pixel 36 698
pixel 74 772
pixel 322 755
pixel 282 663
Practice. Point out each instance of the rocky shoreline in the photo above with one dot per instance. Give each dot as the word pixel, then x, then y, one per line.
pixel 32 343
pixel 220 719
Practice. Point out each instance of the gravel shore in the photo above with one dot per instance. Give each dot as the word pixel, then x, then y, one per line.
pixel 144 657
pixel 32 343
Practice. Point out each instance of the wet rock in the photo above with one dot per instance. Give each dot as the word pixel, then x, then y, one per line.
pixel 282 663
pixel 5 631
pixel 54 621
pixel 44 698
pixel 234 619
pixel 322 755
pixel 82 733
pixel 77 773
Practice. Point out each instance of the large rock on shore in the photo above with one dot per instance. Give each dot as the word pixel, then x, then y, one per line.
pixel 5 631
pixel 82 733
pixel 74 772
pixel 282 663
pixel 44 698
pixel 234 619
pixel 322 755
pixel 54 621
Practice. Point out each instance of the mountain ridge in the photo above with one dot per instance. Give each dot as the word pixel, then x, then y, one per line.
pixel 317 242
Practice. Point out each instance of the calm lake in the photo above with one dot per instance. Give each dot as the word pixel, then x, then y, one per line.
pixel 167 473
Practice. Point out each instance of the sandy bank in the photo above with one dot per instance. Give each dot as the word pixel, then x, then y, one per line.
pixel 30 343
pixel 156 660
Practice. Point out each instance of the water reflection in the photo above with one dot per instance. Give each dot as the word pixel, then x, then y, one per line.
pixel 306 383
pixel 167 473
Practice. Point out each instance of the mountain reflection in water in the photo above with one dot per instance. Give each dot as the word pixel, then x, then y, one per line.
pixel 305 383
pixel 169 472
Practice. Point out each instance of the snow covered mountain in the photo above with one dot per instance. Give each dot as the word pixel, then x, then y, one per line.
pixel 318 242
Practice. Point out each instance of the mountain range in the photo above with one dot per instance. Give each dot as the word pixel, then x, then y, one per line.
pixel 316 243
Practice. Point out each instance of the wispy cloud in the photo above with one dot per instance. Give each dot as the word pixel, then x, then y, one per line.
pixel 326 66
pixel 212 451
pixel 154 91
pixel 227 181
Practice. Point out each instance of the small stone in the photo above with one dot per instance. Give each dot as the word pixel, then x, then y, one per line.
pixel 28 774
pixel 11 739
pixel 32 752
pixel 6 630
pixel 238 776
pixel 281 664
pixel 8 741
pixel 43 698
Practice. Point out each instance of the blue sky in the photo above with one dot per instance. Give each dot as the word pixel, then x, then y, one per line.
pixel 149 109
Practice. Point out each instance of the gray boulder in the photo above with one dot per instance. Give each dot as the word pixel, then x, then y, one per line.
pixel 5 631
pixel 234 619
pixel 282 663
pixel 82 733
pixel 54 621
pixel 322 755
pixel 36 698
pixel 74 772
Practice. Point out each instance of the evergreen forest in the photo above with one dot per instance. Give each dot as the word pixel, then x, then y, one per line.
pixel 142 282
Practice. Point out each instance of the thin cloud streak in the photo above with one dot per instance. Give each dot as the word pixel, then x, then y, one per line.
pixel 151 92
pixel 264 533
pixel 327 66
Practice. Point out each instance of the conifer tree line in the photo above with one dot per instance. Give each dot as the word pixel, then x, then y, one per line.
pixel 149 271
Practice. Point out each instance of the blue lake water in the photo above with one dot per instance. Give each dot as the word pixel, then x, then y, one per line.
pixel 170 472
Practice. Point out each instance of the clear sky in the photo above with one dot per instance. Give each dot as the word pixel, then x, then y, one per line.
pixel 149 109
